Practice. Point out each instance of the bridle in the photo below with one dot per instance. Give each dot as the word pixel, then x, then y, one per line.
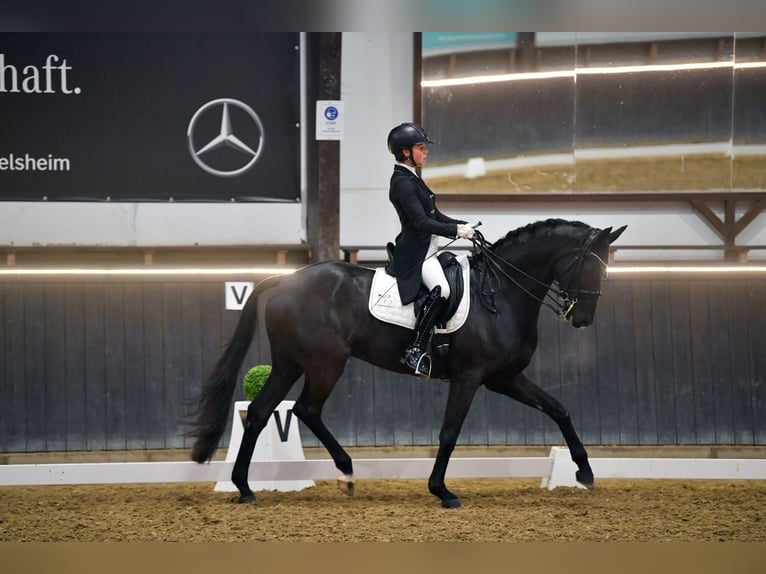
pixel 570 295
pixel 561 300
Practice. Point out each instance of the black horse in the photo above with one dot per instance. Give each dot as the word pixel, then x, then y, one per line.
pixel 318 317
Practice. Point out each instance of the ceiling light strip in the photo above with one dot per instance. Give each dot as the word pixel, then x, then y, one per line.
pixel 144 272
pixel 232 271
pixel 697 269
pixel 600 70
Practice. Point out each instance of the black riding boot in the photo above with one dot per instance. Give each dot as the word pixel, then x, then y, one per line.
pixel 415 356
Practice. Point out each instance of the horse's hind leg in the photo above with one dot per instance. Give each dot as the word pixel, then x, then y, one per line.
pixel 525 391
pixel 283 376
pixel 308 408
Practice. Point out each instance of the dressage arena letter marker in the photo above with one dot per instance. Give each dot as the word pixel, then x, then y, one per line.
pixel 277 441
pixel 237 294
pixel 283 431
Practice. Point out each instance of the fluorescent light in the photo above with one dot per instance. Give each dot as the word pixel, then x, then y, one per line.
pixel 145 271
pixel 601 70
pixel 497 78
pixel 614 269
pixel 638 269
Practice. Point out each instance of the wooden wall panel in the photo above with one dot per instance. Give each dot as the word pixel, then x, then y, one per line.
pixel 756 337
pixel 680 343
pixel 15 385
pixel 73 368
pixel 54 361
pixel 606 360
pixel 739 362
pixel 100 365
pixel 625 335
pixel 701 374
pixel 135 367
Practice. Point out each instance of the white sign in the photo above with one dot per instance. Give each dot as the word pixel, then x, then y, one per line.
pixel 237 293
pixel 329 120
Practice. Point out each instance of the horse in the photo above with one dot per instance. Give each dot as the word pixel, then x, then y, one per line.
pixel 318 317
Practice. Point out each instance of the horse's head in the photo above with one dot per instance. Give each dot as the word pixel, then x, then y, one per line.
pixel 581 272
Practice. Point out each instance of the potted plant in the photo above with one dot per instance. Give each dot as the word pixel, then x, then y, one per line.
pixel 254 381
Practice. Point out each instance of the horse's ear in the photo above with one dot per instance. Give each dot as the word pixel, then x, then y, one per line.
pixel 613 235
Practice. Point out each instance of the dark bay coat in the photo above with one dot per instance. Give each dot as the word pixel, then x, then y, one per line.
pixel 416 206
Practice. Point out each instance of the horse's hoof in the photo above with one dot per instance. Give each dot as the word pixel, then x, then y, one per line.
pixel 451 503
pixel 585 479
pixel 346 487
pixel 246 498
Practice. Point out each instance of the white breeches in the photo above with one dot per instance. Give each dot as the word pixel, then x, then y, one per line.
pixel 432 273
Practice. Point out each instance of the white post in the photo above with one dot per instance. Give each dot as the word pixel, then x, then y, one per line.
pixel 279 440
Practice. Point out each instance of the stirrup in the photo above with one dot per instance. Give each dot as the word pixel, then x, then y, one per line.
pixel 417 360
pixel 423 368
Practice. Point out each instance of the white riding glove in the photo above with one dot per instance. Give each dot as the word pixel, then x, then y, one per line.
pixel 465 231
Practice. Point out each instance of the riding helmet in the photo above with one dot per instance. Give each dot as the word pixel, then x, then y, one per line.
pixel 405 136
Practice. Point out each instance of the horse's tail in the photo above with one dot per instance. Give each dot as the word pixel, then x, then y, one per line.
pixel 215 397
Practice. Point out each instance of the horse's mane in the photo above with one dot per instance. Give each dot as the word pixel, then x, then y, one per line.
pixel 523 234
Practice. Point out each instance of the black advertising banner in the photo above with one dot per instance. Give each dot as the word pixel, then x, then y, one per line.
pixel 150 117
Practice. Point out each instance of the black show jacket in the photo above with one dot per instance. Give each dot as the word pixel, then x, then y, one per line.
pixel 415 204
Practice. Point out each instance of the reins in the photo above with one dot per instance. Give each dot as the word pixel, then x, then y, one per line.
pixel 494 265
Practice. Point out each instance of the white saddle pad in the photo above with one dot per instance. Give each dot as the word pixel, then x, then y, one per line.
pixel 386 305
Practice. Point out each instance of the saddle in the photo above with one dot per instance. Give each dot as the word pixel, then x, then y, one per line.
pixel 384 303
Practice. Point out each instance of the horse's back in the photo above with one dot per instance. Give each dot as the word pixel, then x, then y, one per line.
pixel 329 292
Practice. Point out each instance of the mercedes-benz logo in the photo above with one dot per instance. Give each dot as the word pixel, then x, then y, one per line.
pixel 226 138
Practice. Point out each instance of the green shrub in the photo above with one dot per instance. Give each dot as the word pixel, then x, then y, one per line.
pixel 254 380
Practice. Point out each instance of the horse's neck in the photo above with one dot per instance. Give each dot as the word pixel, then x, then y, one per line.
pixel 537 256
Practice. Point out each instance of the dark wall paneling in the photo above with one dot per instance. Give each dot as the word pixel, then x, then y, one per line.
pixel 627 396
pixel 663 345
pixel 74 378
pixel 424 406
pixel 34 366
pixel 588 387
pixel 110 365
pixel 135 367
pixel 608 393
pixel 54 416
pixel 719 363
pixel 154 380
pixel 756 296
pixel 95 368
pixel 362 406
pixel 172 346
pixel 5 391
pixel 739 363
pixel 15 384
pixel 682 363
pixel 116 407
pixel 403 411
pixel 701 376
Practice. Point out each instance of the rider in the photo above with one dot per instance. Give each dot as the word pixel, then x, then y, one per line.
pixel 422 224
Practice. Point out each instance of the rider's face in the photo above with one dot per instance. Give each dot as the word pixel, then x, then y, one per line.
pixel 419 154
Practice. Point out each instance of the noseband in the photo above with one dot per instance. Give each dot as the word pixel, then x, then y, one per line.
pixel 567 296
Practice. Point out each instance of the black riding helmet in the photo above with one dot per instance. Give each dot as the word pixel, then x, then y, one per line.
pixel 405 136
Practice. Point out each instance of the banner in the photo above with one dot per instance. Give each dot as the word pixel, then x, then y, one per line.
pixel 150 117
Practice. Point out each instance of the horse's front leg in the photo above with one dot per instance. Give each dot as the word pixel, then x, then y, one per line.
pixel 525 391
pixel 459 399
